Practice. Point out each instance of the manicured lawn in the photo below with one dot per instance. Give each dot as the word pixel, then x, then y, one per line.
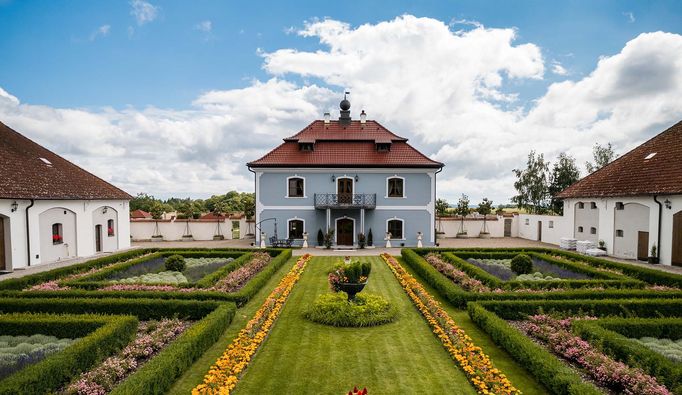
pixel 303 357
pixel 195 374
pixel 520 377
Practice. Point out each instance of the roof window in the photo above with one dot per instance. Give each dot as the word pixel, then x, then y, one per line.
pixel 47 162
pixel 383 147
pixel 651 155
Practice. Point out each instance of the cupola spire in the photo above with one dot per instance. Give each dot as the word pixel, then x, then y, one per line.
pixel 344 118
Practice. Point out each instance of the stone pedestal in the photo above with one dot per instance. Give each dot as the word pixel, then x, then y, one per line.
pixel 262 239
pixel 419 240
pixel 305 239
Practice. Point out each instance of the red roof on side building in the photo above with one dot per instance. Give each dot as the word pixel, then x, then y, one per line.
pixel 139 214
pixel 351 144
pixel 30 171
pixel 653 168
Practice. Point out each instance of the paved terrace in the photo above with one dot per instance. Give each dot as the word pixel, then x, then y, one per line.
pixel 506 242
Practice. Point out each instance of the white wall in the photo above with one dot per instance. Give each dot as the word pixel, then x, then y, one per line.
pixel 634 218
pixel 587 219
pixel 84 234
pixel 474 226
pixel 174 230
pixel 554 227
pixel 100 216
pixel 50 251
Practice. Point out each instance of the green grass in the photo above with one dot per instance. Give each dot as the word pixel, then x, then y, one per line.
pixel 195 374
pixel 520 377
pixel 304 357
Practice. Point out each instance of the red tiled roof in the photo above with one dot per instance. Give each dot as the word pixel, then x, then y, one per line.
pixel 140 214
pixel 632 174
pixel 24 175
pixel 352 145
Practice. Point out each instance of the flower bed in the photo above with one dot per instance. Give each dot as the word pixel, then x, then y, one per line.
pixel 365 310
pixel 671 349
pixel 474 362
pixel 152 336
pixel 556 335
pixel 223 376
pixel 236 279
pixel 17 352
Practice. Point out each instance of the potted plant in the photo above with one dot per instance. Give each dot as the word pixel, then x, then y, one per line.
pixel 653 257
pixel 156 211
pixel 485 208
pixel 218 209
pixel 462 210
pixel 329 239
pixel 602 245
pixel 350 278
pixel 187 211
pixel 361 240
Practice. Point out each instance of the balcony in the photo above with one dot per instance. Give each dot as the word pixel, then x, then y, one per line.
pixel 345 200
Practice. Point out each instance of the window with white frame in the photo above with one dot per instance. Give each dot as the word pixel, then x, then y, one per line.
pixel 551 224
pixel 110 228
pixel 620 206
pixel 593 230
pixel 580 229
pixel 527 221
pixel 295 229
pixel 396 187
pixel 395 227
pixel 296 187
pixel 619 233
pixel 581 205
pixel 593 205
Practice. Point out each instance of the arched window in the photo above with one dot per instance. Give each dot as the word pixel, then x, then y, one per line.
pixel 395 227
pixel 110 227
pixel 581 205
pixel 593 205
pixel 57 233
pixel 395 187
pixel 295 229
pixel 296 187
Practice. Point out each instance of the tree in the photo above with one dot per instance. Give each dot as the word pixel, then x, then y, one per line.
pixel 564 174
pixel 485 208
pixel 219 208
pixel 462 210
pixel 442 206
pixel 142 202
pixel 602 156
pixel 156 210
pixel 531 185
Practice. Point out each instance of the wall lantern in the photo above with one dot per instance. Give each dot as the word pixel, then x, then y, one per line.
pixel 668 204
pixel 104 210
pixel 14 206
pixel 333 178
pixel 357 178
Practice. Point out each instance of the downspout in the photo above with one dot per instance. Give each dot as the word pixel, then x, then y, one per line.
pixel 28 235
pixel 658 235
pixel 435 215
pixel 255 214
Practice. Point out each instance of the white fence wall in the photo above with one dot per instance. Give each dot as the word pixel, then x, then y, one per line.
pixel 173 230
pixel 553 227
pixel 474 226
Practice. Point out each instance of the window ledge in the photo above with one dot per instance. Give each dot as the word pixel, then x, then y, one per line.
pixel 295 197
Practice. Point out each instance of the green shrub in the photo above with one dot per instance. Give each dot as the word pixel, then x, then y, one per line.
pixel 366 310
pixel 547 369
pixel 175 263
pixel 48 375
pixel 522 264
pixel 158 375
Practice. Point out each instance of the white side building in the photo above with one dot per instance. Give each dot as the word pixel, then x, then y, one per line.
pixel 634 203
pixel 51 209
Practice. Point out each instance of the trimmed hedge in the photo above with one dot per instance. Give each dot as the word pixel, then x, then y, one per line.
pixel 108 335
pixel 257 282
pixel 611 336
pixel 210 279
pixel 651 276
pixel 547 369
pixel 27 281
pixel 160 373
pixel 459 297
pixel 144 309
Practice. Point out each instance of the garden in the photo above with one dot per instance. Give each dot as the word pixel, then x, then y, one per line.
pixel 463 321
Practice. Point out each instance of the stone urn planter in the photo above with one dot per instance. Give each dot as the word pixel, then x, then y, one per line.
pixel 484 235
pixel 351 289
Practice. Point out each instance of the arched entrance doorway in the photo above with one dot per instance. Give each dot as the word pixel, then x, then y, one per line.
pixel 677 239
pixel 345 228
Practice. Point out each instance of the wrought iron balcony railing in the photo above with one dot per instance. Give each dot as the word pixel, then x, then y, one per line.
pixel 345 200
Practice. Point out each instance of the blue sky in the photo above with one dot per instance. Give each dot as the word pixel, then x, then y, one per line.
pixel 51 59
pixel 172 98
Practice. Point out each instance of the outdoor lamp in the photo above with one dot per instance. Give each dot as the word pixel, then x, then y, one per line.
pixel 14 206
pixel 104 210
pixel 357 178
pixel 333 178
pixel 668 204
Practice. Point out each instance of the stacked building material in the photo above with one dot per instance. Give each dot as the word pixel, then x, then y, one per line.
pixel 583 245
pixel 567 243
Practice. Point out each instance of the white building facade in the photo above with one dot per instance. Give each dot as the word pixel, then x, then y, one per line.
pixel 52 210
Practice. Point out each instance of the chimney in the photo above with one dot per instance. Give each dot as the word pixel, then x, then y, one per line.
pixel 344 119
pixel 363 117
pixel 326 117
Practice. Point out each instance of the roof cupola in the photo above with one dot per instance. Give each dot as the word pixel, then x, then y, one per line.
pixel 344 118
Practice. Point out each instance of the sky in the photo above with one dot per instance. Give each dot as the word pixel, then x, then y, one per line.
pixel 172 98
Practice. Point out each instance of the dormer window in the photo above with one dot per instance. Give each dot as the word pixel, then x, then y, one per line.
pixel 383 147
pixel 305 146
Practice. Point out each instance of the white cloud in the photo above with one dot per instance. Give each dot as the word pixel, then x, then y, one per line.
pixel 630 16
pixel 143 11
pixel 204 26
pixel 558 69
pixel 101 31
pixel 451 92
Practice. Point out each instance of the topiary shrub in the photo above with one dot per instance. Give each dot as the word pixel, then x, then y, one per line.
pixel 320 238
pixel 175 263
pixel 522 264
